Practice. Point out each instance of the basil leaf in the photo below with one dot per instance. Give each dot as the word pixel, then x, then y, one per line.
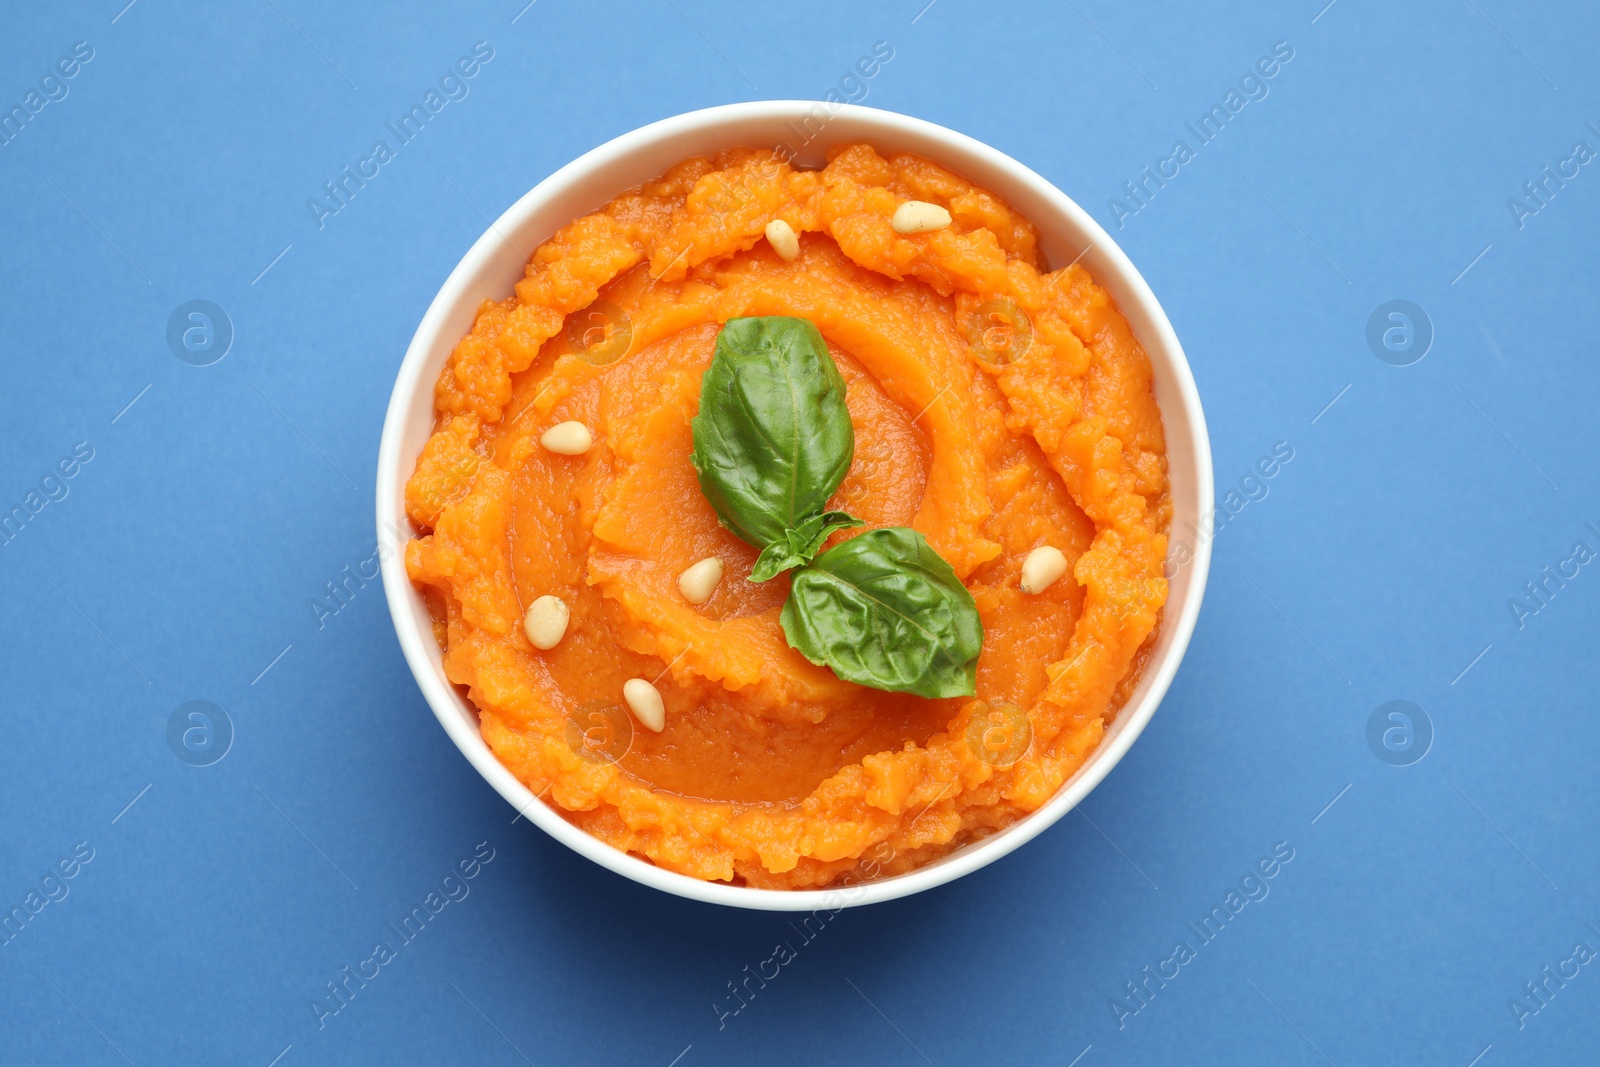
pixel 772 442
pixel 797 547
pixel 773 439
pixel 884 610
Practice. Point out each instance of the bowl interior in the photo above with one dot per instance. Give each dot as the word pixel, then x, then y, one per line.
pixel 805 130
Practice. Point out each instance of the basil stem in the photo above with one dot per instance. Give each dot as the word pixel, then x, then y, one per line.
pixel 799 546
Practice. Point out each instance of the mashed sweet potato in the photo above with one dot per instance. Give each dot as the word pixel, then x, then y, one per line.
pixel 997 407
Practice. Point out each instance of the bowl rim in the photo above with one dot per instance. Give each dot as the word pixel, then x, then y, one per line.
pixel 1110 263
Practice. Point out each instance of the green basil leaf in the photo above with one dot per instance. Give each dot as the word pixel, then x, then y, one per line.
pixel 773 439
pixel 885 610
pixel 797 547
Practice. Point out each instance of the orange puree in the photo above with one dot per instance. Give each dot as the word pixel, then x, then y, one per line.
pixel 997 407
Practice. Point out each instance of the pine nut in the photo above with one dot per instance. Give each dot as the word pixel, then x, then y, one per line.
pixel 700 581
pixel 919 216
pixel 567 439
pixel 781 236
pixel 644 700
pixel 1041 569
pixel 546 622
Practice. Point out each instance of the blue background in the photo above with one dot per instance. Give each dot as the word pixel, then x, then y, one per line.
pixel 181 563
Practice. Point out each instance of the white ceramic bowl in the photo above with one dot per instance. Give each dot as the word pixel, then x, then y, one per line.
pixel 492 266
